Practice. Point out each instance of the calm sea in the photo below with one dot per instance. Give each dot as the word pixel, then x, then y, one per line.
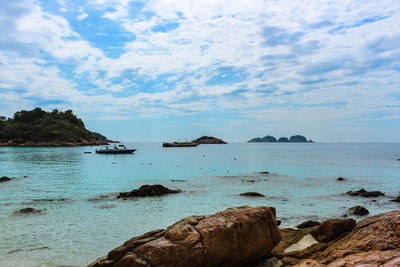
pixel 78 224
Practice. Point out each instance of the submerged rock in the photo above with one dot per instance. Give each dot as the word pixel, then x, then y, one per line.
pixel 358 210
pixel 340 179
pixel 234 237
pixel 28 211
pixel 148 191
pixel 332 229
pixel 308 224
pixel 363 193
pixel 252 194
pixel 5 179
pixel 397 199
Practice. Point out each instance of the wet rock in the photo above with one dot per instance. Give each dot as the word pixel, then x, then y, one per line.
pixel 340 179
pixel 28 211
pixel 358 210
pixel 5 179
pixel 332 229
pixel 148 191
pixel 178 181
pixel 308 224
pixel 252 194
pixel 264 172
pixel 363 193
pixel 397 199
pixel 234 237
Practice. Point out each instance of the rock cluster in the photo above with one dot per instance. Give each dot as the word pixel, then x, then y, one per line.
pixel 363 193
pixel 234 237
pixel 148 191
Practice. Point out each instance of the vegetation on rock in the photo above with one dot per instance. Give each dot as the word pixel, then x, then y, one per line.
pixel 37 127
pixel 272 139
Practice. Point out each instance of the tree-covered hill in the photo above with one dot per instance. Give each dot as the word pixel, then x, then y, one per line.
pixel 40 128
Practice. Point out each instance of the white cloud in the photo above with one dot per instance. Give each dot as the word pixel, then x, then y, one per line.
pixel 82 16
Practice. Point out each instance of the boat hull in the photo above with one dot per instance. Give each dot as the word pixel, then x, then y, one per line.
pixel 176 144
pixel 122 151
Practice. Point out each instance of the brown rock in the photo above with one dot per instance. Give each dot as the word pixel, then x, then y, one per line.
pixel 332 229
pixel 376 233
pixel 288 237
pixel 371 258
pixel 358 210
pixel 234 237
pixel 309 263
pixel 308 224
pixel 148 191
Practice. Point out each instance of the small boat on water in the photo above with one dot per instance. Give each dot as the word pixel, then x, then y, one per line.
pixel 121 149
pixel 180 144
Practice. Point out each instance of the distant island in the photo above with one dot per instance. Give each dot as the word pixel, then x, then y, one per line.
pixel 40 128
pixel 272 139
pixel 208 140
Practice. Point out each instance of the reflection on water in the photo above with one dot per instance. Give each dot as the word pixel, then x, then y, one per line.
pixel 82 220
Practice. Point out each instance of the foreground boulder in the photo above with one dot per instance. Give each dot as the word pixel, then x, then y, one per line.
pixel 148 191
pixel 234 237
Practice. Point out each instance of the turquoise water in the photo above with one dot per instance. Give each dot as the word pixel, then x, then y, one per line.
pixel 79 226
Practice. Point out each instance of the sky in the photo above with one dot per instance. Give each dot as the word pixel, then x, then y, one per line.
pixel 169 70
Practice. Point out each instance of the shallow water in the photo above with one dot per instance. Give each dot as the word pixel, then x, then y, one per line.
pixel 78 226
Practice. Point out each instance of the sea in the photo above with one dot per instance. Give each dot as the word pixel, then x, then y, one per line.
pixel 82 220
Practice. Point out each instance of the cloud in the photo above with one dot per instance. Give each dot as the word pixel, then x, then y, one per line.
pixel 253 60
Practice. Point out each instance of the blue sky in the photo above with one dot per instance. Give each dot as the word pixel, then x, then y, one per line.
pixel 174 70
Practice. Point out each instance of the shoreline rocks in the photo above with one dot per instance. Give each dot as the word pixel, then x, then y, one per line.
pixel 333 228
pixel 148 191
pixel 234 237
pixel 308 224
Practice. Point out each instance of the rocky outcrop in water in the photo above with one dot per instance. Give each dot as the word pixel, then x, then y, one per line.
pixel 363 193
pixel 5 179
pixel 272 139
pixel 28 211
pixel 234 237
pixel 148 191
pixel 208 140
pixel 358 210
pixel 252 194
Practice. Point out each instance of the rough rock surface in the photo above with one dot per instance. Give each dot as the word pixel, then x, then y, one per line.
pixel 363 193
pixel 358 210
pixel 308 224
pixel 332 229
pixel 234 237
pixel 252 194
pixel 148 191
